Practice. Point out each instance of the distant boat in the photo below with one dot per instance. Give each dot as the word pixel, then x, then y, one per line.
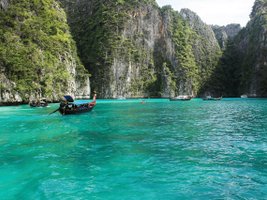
pixel 181 98
pixel 244 96
pixel 210 98
pixel 121 98
pixel 68 106
pixel 39 103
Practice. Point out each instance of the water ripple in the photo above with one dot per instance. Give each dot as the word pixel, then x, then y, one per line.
pixel 127 150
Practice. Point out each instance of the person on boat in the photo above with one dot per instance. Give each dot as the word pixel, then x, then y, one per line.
pixel 94 98
pixel 93 102
pixel 63 105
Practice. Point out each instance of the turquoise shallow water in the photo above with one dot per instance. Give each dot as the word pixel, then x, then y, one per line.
pixel 128 150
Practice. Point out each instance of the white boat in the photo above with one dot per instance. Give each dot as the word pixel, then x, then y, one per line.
pixel 121 98
pixel 210 98
pixel 244 96
pixel 181 98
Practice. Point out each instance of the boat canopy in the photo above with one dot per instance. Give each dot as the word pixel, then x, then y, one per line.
pixel 78 103
pixel 69 98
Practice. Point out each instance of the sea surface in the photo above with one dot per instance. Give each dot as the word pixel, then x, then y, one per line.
pixel 128 150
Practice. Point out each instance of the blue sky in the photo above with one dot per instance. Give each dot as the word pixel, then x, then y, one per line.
pixel 220 12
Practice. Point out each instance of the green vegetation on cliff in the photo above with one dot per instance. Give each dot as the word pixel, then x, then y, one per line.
pixel 132 48
pixel 36 46
pixel 243 66
pixel 101 43
pixel 225 80
pixel 123 45
pixel 196 50
pixel 254 61
pixel 187 71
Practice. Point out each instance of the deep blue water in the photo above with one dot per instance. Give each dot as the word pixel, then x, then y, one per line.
pixel 127 150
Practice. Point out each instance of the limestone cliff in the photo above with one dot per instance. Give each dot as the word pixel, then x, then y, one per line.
pixel 252 45
pixel 116 41
pixel 132 48
pixel 225 33
pixel 206 49
pixel 243 66
pixel 37 54
pixel 4 4
pixel 135 48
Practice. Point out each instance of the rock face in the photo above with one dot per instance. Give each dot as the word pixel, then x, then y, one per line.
pixel 131 48
pixel 206 49
pixel 116 41
pixel 4 4
pixel 252 45
pixel 135 49
pixel 243 66
pixel 199 26
pixel 37 54
pixel 225 33
pixel 8 94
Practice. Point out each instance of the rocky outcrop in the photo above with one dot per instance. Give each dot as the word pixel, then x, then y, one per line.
pixel 199 26
pixel 243 66
pixel 134 49
pixel 225 33
pixel 133 69
pixel 252 45
pixel 131 49
pixel 116 44
pixel 206 49
pixel 8 95
pixel 4 4
pixel 38 57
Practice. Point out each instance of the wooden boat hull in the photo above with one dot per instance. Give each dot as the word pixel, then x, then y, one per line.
pixel 212 99
pixel 65 110
pixel 69 107
pixel 69 112
pixel 174 99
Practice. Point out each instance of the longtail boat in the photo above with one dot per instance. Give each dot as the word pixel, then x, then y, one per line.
pixel 69 106
pixel 181 98
pixel 39 103
pixel 209 98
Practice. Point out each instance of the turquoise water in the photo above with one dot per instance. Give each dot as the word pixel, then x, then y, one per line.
pixel 128 150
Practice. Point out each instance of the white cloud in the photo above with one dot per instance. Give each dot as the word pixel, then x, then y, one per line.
pixel 220 12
